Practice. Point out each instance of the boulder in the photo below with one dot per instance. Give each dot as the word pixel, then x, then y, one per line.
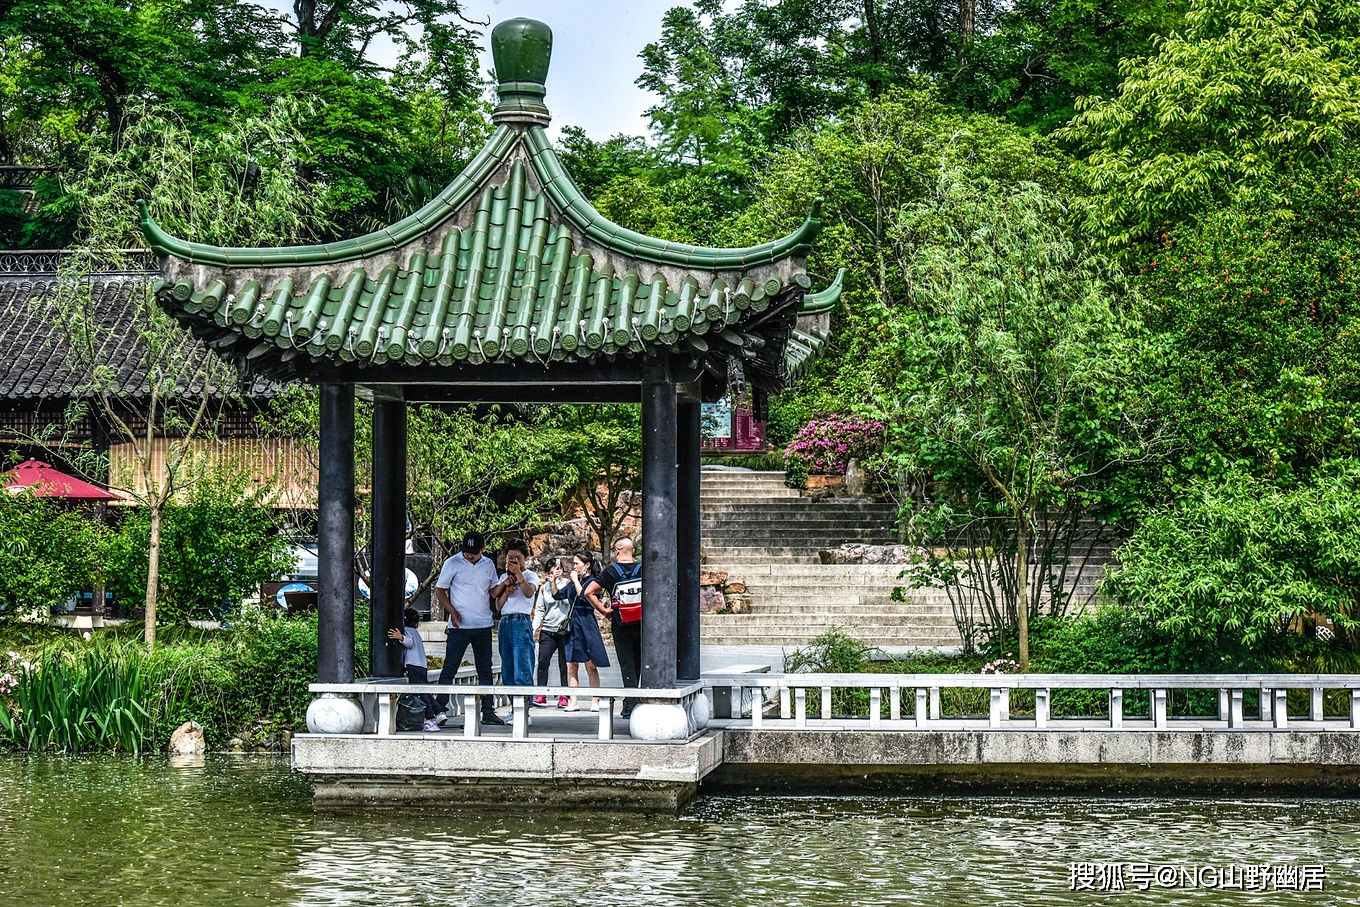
pixel 710 599
pixel 739 604
pixel 236 745
pixel 856 479
pixel 831 483
pixel 187 740
pixel 735 588
pixel 712 577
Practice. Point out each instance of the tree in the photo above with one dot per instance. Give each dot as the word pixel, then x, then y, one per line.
pixel 1257 323
pixel 1241 559
pixel 602 447
pixel 207 190
pixel 1249 91
pixel 883 157
pixel 96 58
pixel 219 539
pixel 1015 394
pixel 48 552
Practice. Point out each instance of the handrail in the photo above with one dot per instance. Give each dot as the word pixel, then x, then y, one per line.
pixel 386 690
pixel 791 690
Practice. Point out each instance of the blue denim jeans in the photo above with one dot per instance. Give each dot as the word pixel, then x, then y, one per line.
pixel 458 642
pixel 516 640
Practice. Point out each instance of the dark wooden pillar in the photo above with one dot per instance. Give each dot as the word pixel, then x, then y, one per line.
pixel 687 488
pixel 335 537
pixel 659 537
pixel 387 587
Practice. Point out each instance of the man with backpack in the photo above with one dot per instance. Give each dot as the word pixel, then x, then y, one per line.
pixel 621 582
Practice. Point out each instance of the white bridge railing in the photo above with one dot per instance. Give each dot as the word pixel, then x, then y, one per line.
pixel 464 696
pixel 914 700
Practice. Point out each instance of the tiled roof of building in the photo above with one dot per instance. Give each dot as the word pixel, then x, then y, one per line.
pixel 35 361
pixel 510 261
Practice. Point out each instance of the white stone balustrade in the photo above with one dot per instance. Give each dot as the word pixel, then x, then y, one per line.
pixel 742 694
pixel 382 693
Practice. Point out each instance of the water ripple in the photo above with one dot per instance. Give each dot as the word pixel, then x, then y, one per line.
pixel 237 831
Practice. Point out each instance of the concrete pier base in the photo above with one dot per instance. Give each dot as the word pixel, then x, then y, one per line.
pixel 367 770
pixel 1013 761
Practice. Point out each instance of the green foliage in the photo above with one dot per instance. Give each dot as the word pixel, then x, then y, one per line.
pixel 219 542
pixel 110 693
pixel 1240 559
pixel 96 699
pixel 1257 365
pixel 1009 392
pixel 600 447
pixel 1248 91
pixel 48 552
pixel 834 651
pixel 884 159
pixel 760 462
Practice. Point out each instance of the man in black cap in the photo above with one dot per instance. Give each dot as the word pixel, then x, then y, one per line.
pixel 463 591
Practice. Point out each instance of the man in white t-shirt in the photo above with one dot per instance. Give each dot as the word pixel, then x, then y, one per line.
pixel 514 595
pixel 463 592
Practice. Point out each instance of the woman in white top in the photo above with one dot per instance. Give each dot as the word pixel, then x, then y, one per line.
pixel 552 623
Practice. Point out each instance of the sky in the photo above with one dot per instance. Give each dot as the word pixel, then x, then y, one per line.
pixel 595 57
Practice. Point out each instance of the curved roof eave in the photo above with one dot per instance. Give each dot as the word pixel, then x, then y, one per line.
pixel 566 197
pixel 557 185
pixel 432 215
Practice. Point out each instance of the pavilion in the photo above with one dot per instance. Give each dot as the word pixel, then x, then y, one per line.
pixel 507 287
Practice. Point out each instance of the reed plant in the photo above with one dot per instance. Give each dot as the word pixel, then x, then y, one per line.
pixel 72 701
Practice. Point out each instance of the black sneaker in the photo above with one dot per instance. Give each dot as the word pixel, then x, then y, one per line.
pixel 493 718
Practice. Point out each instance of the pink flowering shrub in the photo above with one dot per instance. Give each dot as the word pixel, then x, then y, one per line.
pixel 824 446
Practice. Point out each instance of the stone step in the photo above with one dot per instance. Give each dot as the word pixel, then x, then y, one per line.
pixel 750 569
pixel 863 604
pixel 802 636
pixel 802 522
pixel 828 506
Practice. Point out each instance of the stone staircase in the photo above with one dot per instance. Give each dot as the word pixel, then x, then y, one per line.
pixel 767 536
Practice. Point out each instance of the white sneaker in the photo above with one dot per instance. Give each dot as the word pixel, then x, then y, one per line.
pixel 431 724
pixel 510 718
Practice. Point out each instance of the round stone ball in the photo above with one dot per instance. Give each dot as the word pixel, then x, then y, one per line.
pixel 700 710
pixel 659 721
pixel 335 713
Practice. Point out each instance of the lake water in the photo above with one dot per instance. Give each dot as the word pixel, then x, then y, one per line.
pixel 241 831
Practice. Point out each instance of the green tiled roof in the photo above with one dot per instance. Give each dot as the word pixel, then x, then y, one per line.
pixel 510 260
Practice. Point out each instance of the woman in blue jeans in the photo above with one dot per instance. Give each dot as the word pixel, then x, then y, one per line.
pixel 514 595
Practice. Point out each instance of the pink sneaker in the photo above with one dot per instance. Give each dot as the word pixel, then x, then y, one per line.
pixel 540 700
pixel 562 702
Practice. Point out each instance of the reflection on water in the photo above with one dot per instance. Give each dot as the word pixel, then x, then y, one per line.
pixel 232 831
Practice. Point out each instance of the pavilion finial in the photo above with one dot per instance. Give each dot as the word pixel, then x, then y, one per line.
pixel 522 50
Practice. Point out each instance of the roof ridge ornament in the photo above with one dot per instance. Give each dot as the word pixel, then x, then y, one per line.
pixel 522 51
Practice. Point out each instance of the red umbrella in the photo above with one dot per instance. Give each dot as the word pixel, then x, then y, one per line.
pixel 47 482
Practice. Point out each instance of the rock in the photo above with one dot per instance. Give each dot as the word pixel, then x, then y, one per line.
pixel 735 588
pixel 740 605
pixel 831 483
pixel 816 494
pixel 710 599
pixel 856 479
pixel 712 577
pixel 871 554
pixel 236 745
pixel 187 740
pixel 703 554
